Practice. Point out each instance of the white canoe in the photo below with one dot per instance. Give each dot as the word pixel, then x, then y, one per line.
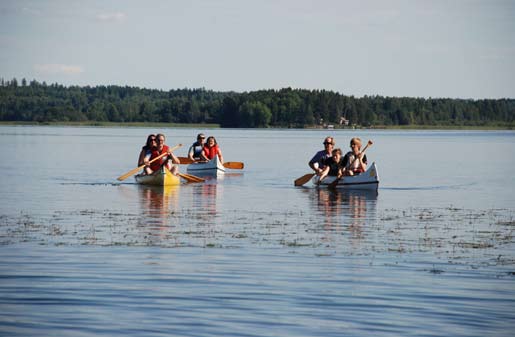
pixel 214 165
pixel 162 177
pixel 368 180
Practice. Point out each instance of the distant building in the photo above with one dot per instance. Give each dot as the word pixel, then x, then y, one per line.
pixel 344 121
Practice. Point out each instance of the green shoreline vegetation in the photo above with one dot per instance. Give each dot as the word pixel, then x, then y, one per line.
pixel 116 124
pixel 38 103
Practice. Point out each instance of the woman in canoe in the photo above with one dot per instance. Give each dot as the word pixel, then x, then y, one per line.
pixel 170 161
pixel 354 162
pixel 211 150
pixel 146 152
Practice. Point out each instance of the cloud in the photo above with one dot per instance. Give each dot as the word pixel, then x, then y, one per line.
pixel 111 17
pixel 58 69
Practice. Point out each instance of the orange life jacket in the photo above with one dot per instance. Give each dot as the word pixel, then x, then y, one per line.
pixel 211 152
pixel 158 163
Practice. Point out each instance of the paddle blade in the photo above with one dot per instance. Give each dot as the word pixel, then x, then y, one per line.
pixel 304 179
pixel 234 165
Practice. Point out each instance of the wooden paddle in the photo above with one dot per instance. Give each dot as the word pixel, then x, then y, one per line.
pixel 137 169
pixel 304 179
pixel 185 160
pixel 191 178
pixel 335 182
pixel 234 165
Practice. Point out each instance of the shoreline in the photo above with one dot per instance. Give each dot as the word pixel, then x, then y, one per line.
pixel 216 126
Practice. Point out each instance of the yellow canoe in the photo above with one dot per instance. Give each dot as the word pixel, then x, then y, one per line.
pixel 162 177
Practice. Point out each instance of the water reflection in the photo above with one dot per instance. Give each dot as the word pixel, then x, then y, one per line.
pixel 158 203
pixel 345 210
pixel 206 197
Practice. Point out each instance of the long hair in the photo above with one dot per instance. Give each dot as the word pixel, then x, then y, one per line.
pixel 148 145
pixel 213 138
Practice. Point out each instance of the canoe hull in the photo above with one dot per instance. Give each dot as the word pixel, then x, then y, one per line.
pixel 369 180
pixel 214 165
pixel 162 177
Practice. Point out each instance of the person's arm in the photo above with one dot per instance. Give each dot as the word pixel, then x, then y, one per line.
pixel 141 157
pixel 146 159
pixel 313 163
pixel 203 155
pixel 220 156
pixel 191 152
pixel 363 162
pixel 175 160
pixel 324 173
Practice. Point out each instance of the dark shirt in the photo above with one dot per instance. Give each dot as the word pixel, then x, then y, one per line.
pixel 333 166
pixel 320 157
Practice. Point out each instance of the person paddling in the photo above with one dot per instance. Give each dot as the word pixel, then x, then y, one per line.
pixel 195 151
pixel 170 161
pixel 354 162
pixel 146 152
pixel 334 166
pixel 211 150
pixel 317 163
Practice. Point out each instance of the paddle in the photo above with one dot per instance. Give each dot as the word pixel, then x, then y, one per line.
pixel 234 165
pixel 137 169
pixel 304 179
pixel 335 182
pixel 185 160
pixel 191 178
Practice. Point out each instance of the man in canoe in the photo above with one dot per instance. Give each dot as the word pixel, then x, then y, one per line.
pixel 170 161
pixel 318 162
pixel 195 151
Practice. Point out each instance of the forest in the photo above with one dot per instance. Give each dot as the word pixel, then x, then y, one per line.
pixel 39 102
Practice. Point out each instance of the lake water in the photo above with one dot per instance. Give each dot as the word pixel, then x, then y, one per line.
pixel 431 253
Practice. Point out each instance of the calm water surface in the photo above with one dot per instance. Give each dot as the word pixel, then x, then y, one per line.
pixel 248 254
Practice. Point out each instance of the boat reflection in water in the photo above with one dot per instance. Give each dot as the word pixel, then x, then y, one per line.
pixel 158 205
pixel 206 197
pixel 345 210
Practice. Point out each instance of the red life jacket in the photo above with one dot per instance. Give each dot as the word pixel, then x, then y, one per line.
pixel 158 163
pixel 211 152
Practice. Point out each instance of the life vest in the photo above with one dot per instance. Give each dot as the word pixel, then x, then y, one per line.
pixel 211 152
pixel 353 164
pixel 196 148
pixel 158 163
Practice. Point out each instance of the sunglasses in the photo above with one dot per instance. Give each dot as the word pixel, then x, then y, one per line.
pixel 327 143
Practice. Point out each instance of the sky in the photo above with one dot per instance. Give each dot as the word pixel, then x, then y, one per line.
pixel 401 48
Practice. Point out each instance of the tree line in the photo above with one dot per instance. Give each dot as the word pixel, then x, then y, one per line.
pixel 291 108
